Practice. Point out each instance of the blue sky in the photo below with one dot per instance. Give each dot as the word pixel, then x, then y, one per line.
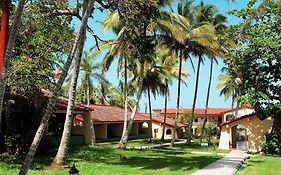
pixel 186 92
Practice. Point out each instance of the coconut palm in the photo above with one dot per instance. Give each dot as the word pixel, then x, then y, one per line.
pixel 50 106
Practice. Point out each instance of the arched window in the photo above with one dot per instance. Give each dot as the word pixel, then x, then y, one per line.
pixel 168 132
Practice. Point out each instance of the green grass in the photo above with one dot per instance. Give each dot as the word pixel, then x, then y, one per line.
pixel 195 147
pixel 261 166
pixel 134 143
pixel 92 160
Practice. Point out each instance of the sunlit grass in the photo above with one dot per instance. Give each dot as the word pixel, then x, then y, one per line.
pixel 106 160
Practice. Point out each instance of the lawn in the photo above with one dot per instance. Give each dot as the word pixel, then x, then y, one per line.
pixel 195 147
pixel 134 143
pixel 261 165
pixel 92 160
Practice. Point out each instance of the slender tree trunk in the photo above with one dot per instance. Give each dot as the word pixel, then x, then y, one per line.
pixel 178 102
pixel 188 141
pixel 9 48
pixel 207 100
pixel 150 116
pixel 88 91
pixel 52 101
pixel 165 111
pixel 62 151
pixel 124 139
pixel 125 97
pixel 232 104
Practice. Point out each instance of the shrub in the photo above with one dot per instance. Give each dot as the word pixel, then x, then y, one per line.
pixel 272 145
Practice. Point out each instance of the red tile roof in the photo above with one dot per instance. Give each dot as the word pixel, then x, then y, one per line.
pixel 237 119
pixel 63 102
pixel 108 113
pixel 160 119
pixel 198 111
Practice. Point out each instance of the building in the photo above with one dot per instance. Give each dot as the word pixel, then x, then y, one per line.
pixel 158 126
pixel 241 129
pixel 214 115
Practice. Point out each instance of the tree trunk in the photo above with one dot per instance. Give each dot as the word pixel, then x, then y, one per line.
pixel 124 139
pixel 188 140
pixel 150 116
pixel 165 111
pixel 52 101
pixel 88 91
pixel 207 100
pixel 178 102
pixel 9 49
pixel 62 151
pixel 232 104
pixel 125 97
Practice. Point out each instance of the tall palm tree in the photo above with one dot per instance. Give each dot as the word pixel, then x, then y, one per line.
pixel 50 106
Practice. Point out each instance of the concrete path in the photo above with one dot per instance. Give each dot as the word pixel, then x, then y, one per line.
pixel 156 146
pixel 225 166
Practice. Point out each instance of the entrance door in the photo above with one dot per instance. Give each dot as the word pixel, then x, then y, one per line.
pixel 239 137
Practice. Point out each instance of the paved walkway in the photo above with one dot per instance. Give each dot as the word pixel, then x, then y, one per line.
pixel 156 146
pixel 225 166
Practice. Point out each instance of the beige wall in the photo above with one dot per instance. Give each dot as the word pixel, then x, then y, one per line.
pixel 159 128
pixel 255 128
pixel 86 129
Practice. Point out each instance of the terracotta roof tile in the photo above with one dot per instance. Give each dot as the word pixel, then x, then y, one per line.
pixel 160 119
pixel 237 119
pixel 108 113
pixel 63 102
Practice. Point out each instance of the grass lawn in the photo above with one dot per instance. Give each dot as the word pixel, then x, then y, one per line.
pixel 195 147
pixel 134 143
pixel 261 166
pixel 91 160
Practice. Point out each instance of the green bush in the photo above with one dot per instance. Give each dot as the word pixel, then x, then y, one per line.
pixel 272 144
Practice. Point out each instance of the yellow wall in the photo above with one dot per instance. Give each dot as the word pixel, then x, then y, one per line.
pixel 87 129
pixel 255 128
pixel 160 130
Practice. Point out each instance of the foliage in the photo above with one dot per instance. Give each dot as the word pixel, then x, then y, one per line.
pixel 258 60
pixel 272 144
pixel 43 40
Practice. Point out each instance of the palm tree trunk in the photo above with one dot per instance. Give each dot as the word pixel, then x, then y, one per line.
pixel 207 100
pixel 150 116
pixel 125 97
pixel 188 141
pixel 165 111
pixel 52 101
pixel 62 151
pixel 178 102
pixel 232 104
pixel 124 139
pixel 88 91
pixel 8 50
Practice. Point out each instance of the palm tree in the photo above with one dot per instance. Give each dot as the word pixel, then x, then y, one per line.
pixel 7 51
pixel 208 14
pixel 88 66
pixel 153 83
pixel 50 106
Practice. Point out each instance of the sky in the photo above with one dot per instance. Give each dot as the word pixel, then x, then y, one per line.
pixel 186 92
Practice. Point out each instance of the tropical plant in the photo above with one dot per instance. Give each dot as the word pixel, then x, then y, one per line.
pixel 44 122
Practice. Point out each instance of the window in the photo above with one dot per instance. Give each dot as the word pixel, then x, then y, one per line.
pixel 196 120
pixel 168 132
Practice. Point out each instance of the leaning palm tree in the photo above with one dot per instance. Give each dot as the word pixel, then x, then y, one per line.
pixel 50 106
